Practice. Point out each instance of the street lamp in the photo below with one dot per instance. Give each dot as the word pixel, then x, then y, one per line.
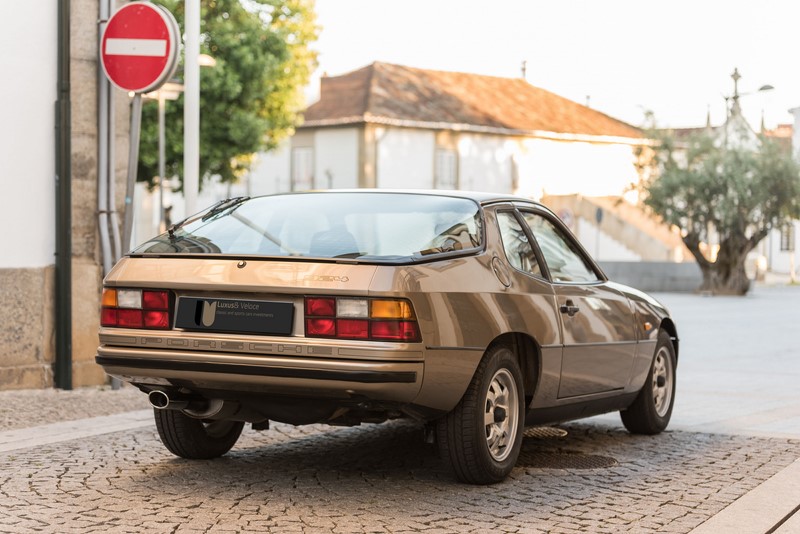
pixel 735 108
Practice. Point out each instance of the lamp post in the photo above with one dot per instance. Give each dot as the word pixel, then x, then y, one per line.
pixel 735 108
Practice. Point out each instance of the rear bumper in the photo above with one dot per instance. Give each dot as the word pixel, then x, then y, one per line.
pixel 392 381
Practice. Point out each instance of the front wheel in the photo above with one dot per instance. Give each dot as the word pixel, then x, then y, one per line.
pixel 482 436
pixel 652 409
pixel 194 439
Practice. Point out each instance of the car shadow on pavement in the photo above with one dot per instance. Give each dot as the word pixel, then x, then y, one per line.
pixel 392 451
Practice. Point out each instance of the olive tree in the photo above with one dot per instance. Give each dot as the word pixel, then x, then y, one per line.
pixel 726 193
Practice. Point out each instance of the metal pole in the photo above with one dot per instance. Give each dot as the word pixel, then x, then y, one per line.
pixel 191 107
pixel 63 312
pixel 112 180
pixel 133 166
pixel 104 96
pixel 161 158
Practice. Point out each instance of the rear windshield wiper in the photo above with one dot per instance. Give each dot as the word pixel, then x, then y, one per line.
pixel 216 208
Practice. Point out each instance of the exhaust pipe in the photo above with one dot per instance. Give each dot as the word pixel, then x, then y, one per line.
pixel 160 400
pixel 201 408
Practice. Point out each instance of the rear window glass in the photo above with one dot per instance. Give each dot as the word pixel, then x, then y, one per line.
pixel 365 226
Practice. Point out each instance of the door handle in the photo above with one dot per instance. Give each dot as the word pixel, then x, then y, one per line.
pixel 569 308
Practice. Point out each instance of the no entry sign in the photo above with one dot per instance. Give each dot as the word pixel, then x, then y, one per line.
pixel 139 47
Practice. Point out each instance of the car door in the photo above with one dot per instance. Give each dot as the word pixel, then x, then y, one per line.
pixel 596 320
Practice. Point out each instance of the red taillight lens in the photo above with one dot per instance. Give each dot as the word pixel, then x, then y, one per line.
pixel 130 318
pixel 352 328
pixel 395 330
pixel 320 307
pixel 361 318
pixel 135 308
pixel 156 319
pixel 108 317
pixel 321 327
pixel 155 300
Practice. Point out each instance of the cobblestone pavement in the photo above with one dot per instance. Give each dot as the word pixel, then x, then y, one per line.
pixel 381 478
pixel 737 378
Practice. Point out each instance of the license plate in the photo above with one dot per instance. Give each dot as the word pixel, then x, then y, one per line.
pixel 235 315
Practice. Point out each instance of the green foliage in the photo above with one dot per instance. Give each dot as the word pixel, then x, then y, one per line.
pixel 250 100
pixel 732 195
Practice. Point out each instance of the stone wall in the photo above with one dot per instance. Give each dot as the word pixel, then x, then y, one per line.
pixel 86 257
pixel 85 248
pixel 26 336
pixel 655 275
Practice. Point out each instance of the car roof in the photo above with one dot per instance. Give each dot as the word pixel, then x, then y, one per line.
pixel 480 197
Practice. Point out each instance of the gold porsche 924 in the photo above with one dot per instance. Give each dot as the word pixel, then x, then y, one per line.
pixel 475 313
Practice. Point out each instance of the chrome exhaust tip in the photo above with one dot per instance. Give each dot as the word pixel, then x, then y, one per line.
pixel 158 399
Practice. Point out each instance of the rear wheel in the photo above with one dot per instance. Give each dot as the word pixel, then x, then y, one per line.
pixel 482 436
pixel 194 439
pixel 651 411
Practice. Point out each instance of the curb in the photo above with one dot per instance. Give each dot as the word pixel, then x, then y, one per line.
pixel 770 508
pixel 25 438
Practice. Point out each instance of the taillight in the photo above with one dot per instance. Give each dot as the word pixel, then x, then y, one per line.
pixel 135 308
pixel 361 318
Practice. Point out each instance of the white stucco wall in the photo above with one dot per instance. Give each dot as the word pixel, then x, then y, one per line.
pixel 270 172
pixel 562 168
pixel 336 158
pixel 405 158
pixel 27 138
pixel 780 261
pixel 485 163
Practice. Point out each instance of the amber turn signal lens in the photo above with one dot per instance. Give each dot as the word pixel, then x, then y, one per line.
pixel 109 298
pixel 391 309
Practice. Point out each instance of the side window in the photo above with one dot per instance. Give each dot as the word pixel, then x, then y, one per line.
pixel 515 243
pixel 565 262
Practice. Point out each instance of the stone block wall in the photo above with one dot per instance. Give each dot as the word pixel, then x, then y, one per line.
pixel 27 337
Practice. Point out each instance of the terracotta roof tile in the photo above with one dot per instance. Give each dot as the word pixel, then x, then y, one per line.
pixel 382 92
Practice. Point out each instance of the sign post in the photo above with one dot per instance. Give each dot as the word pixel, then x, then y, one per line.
pixel 138 52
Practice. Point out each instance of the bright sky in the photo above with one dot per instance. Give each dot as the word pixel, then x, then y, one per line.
pixel 673 57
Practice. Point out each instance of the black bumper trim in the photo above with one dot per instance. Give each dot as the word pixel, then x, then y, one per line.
pixel 367 377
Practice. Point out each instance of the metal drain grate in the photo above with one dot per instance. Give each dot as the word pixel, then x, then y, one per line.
pixel 545 432
pixel 563 460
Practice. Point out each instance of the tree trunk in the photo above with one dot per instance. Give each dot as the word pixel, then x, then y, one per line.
pixel 726 275
pixel 727 279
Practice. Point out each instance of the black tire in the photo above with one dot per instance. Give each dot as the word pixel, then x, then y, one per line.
pixel 651 411
pixel 481 453
pixel 194 439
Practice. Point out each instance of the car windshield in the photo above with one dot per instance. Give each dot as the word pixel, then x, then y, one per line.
pixel 372 226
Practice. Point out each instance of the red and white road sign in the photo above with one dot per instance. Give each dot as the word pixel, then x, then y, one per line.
pixel 139 47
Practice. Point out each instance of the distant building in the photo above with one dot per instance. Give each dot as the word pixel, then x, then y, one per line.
pixel 392 126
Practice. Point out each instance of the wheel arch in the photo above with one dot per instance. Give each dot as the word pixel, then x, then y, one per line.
pixel 530 359
pixel 669 327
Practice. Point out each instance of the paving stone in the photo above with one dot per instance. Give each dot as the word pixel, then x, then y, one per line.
pixel 372 478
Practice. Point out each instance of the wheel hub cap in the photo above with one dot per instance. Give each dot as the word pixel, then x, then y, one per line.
pixel 501 416
pixel 662 382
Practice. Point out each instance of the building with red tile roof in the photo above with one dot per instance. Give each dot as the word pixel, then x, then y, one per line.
pixel 387 125
pixel 383 93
